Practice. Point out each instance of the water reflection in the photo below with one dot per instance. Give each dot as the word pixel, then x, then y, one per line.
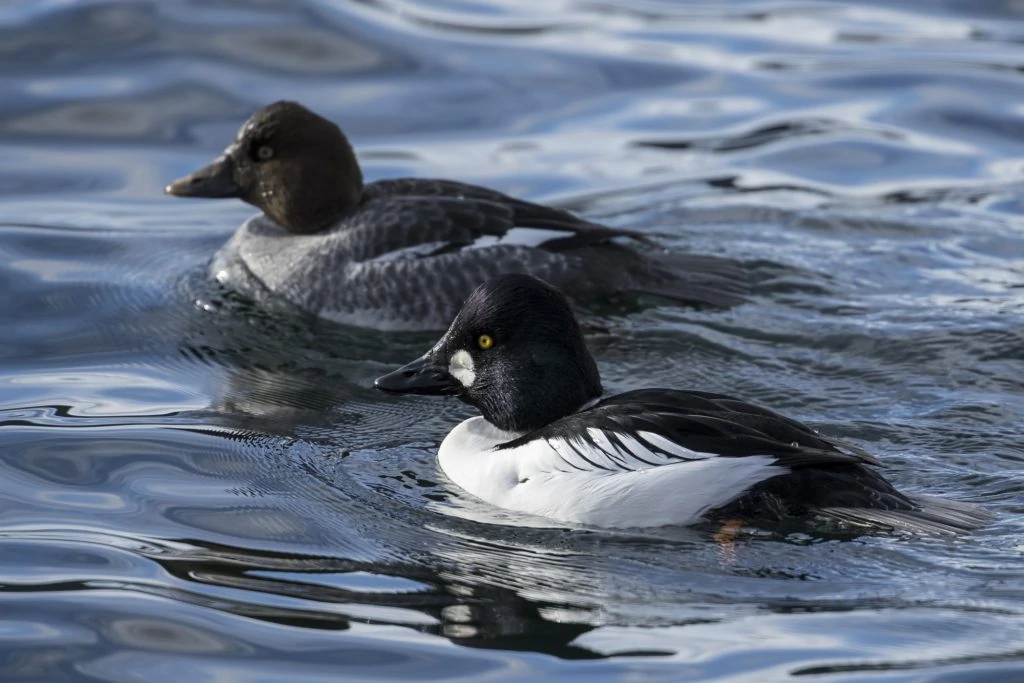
pixel 472 614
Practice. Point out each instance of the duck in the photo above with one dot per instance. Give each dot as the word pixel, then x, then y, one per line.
pixel 547 443
pixel 403 254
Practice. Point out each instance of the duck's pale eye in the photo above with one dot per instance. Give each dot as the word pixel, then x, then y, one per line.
pixel 484 341
pixel 265 152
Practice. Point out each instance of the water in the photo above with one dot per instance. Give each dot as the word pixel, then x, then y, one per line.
pixel 192 488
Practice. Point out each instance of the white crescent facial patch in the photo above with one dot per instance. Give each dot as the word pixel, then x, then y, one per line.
pixel 460 366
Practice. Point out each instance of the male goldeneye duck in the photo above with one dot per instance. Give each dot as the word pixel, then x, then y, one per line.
pixel 405 253
pixel 547 444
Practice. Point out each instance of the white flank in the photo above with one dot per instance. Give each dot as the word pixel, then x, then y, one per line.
pixel 550 479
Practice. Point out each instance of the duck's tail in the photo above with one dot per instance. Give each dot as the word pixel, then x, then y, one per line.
pixel 930 516
pixel 696 280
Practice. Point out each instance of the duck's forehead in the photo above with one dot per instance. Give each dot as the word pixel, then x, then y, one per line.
pixel 451 341
pixel 463 326
pixel 247 129
pixel 478 310
pixel 440 346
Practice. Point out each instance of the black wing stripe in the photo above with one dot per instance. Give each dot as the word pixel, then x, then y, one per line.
pixel 559 445
pixel 617 441
pixel 654 427
pixel 654 448
pixel 591 462
pixel 608 451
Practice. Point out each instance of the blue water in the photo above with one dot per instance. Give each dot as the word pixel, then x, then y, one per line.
pixel 194 488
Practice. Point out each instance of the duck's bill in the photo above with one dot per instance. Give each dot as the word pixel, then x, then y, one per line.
pixel 214 181
pixel 422 376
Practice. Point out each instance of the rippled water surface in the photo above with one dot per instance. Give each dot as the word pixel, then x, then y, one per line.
pixel 192 488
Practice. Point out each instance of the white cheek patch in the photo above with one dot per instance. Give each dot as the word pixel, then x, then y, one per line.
pixel 460 366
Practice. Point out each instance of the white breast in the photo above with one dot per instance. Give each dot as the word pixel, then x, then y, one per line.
pixel 541 478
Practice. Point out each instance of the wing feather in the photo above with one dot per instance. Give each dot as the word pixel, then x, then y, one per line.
pixel 656 427
pixel 734 460
pixel 397 214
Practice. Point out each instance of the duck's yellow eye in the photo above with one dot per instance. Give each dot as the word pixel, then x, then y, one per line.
pixel 265 152
pixel 485 341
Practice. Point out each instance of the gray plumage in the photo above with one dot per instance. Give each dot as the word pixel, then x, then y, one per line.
pixel 405 253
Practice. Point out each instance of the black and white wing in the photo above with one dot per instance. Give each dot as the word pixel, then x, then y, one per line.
pixel 809 473
pixel 413 218
pixel 524 213
pixel 483 218
pixel 656 427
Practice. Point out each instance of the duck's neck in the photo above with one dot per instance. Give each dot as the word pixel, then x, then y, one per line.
pixel 521 417
pixel 314 196
pixel 305 217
